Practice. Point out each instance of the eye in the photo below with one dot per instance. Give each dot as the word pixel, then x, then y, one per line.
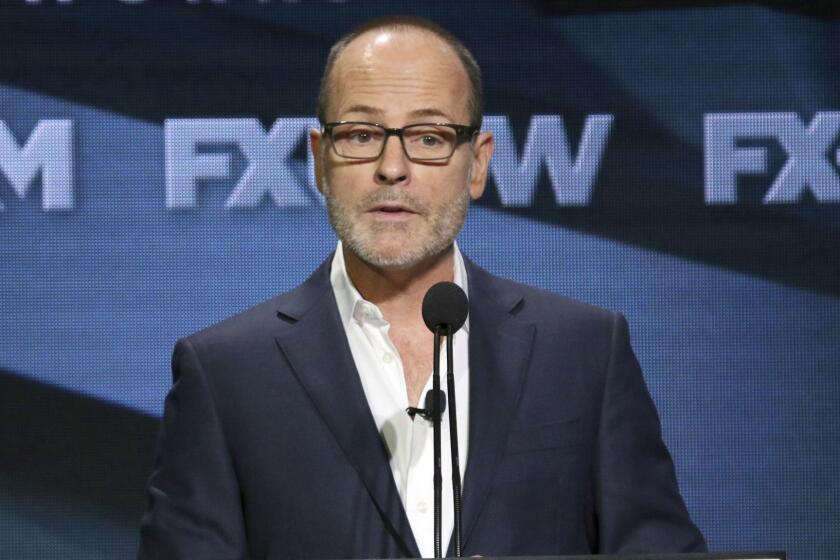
pixel 428 137
pixel 356 134
pixel 360 136
pixel 430 141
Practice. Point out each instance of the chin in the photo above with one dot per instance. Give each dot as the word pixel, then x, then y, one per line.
pixel 393 255
pixel 397 247
pixel 394 259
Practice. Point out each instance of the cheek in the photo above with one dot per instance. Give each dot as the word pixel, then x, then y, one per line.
pixel 343 182
pixel 462 168
pixel 455 183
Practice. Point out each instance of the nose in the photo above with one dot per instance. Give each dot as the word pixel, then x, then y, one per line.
pixel 392 168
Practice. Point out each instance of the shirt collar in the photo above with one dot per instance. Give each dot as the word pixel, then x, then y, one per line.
pixel 351 304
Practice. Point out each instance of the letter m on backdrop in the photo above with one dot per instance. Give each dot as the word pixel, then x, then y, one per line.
pixel 49 153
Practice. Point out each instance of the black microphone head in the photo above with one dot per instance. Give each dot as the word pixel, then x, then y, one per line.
pixel 445 304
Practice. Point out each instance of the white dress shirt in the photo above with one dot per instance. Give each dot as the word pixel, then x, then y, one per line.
pixel 409 443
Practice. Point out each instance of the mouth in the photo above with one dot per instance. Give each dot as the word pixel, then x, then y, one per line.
pixel 391 211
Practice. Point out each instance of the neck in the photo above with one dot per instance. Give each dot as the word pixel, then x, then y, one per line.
pixel 399 292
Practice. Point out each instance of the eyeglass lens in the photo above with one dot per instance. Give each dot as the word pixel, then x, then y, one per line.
pixel 423 141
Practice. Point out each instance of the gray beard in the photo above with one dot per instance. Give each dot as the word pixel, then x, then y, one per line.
pixel 444 223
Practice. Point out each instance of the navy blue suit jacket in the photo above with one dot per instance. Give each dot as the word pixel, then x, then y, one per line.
pixel 268 448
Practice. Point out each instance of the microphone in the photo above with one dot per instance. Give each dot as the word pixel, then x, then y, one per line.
pixel 428 410
pixel 445 304
pixel 445 309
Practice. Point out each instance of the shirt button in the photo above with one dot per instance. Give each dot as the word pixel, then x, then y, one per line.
pixel 387 357
pixel 422 507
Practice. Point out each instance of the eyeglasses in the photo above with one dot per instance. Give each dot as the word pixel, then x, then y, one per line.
pixel 420 142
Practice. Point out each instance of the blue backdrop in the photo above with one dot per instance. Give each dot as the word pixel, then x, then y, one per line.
pixel 679 163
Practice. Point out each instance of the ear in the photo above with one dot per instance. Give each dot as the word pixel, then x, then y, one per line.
pixel 482 150
pixel 315 139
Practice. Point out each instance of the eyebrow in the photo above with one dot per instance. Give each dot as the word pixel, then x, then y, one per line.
pixel 373 111
pixel 430 112
pixel 364 109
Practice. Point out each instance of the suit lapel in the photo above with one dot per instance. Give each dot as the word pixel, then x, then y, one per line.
pixel 499 350
pixel 317 349
pixel 315 345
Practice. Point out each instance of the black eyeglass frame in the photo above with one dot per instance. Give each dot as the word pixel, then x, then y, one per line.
pixel 463 133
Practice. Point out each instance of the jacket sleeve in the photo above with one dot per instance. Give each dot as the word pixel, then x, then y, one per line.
pixel 638 505
pixel 194 507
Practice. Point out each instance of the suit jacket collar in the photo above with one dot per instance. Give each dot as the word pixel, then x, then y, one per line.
pixel 500 349
pixel 316 347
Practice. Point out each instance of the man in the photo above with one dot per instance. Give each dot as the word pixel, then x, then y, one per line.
pixel 285 433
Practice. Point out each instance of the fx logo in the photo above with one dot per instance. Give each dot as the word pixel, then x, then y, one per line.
pixel 271 169
pixel 808 147
pixel 48 153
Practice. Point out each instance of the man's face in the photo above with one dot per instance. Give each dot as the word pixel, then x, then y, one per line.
pixel 393 212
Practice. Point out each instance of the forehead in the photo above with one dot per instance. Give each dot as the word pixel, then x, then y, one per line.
pixel 397 73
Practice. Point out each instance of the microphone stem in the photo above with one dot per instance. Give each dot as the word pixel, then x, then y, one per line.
pixel 438 478
pixel 453 441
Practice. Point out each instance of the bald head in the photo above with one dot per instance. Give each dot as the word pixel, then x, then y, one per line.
pixel 392 26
